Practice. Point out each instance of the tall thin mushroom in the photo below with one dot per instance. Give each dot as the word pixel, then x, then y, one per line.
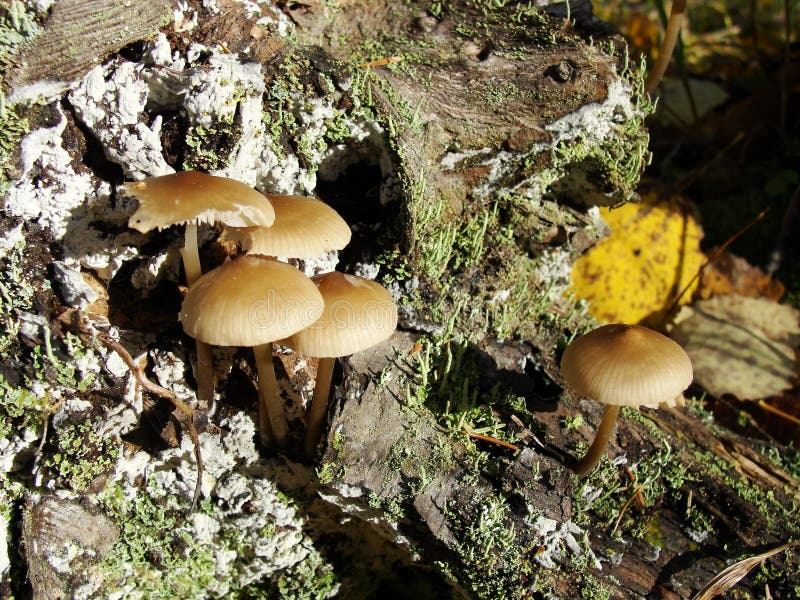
pixel 190 198
pixel 623 365
pixel 358 314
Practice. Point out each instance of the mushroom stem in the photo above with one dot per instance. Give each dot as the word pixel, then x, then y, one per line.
pixel 600 443
pixel 319 405
pixel 191 254
pixel 271 415
pixel 205 373
pixel 667 46
pixel 205 365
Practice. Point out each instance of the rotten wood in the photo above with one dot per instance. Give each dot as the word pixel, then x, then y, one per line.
pixel 79 34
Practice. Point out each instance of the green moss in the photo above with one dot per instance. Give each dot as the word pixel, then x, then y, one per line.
pixel 492 562
pixel 155 551
pixel 763 500
pixel 447 381
pixel 779 574
pixel 786 459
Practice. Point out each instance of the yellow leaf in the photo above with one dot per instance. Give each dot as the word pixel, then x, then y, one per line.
pixel 634 275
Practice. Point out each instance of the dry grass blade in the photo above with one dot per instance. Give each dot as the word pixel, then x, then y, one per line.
pixel 157 390
pixel 728 578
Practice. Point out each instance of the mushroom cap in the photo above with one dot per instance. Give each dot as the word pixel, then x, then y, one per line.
pixel 249 301
pixel 194 196
pixel 626 365
pixel 303 228
pixel 358 314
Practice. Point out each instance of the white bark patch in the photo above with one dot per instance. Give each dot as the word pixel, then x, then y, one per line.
pixel 591 125
pixel 110 100
pixel 558 541
pixel 49 191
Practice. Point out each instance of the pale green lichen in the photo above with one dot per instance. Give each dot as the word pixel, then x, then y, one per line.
pixel 17 25
pixel 310 579
pixel 493 562
pixel 160 555
pixel 42 366
pixel 209 147
pixel 13 127
pixel 81 454
pixel 155 550
pixel 332 469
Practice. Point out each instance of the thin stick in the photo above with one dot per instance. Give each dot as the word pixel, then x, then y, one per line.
pixel 777 411
pixel 667 46
pixel 637 491
pixel 598 448
pixel 271 415
pixel 714 256
pixel 490 439
pixel 632 476
pixel 157 390
pixel 319 405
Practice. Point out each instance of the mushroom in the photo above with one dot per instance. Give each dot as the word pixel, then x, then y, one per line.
pixel 623 365
pixel 192 197
pixel 303 228
pixel 358 313
pixel 253 301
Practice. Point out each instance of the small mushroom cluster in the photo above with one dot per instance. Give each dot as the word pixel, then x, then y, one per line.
pixel 255 300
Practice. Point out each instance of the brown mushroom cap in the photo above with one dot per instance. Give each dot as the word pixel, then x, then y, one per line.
pixel 249 301
pixel 194 196
pixel 626 365
pixel 303 228
pixel 358 314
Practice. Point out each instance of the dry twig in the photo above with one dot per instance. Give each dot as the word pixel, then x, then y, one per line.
pixel 490 439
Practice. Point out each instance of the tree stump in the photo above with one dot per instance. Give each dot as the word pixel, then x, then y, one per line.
pixel 468 144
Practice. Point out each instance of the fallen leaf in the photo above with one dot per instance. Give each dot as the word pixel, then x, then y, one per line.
pixel 728 578
pixel 731 274
pixel 677 106
pixel 635 273
pixel 740 346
